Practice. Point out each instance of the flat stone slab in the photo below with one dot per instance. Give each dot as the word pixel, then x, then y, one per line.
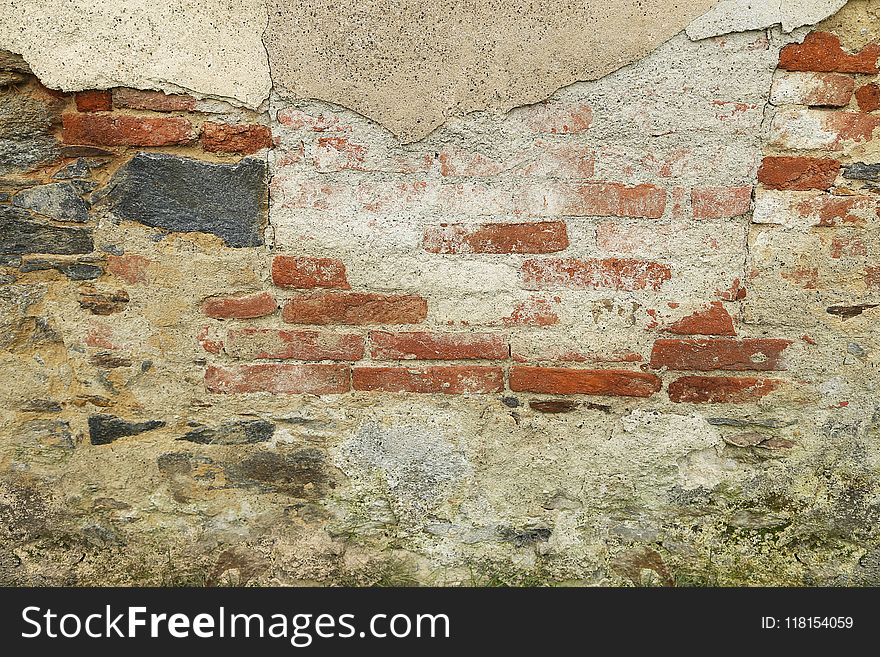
pixel 185 195
pixel 20 234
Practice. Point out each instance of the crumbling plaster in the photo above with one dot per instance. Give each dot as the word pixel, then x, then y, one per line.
pixel 407 65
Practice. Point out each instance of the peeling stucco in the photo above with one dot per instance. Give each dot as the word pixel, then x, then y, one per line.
pixel 406 65
pixel 409 65
pixel 207 47
pixel 743 15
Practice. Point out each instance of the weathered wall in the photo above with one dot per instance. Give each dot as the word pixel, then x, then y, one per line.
pixel 625 335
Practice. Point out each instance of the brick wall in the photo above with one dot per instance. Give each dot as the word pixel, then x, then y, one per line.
pixel 616 333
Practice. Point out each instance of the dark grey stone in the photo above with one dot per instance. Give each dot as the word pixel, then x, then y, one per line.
pixel 75 271
pixel 26 139
pixel 48 433
pixel 862 171
pixel 525 537
pixel 856 349
pixel 82 168
pixel 10 61
pixel 245 432
pixel 41 406
pixel 8 78
pixel 301 473
pixel 60 201
pixel 185 195
pixel 19 234
pixel 113 249
pixel 104 429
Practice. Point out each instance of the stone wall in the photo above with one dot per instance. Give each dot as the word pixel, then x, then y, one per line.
pixel 626 335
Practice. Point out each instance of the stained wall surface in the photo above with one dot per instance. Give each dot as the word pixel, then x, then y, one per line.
pixel 625 335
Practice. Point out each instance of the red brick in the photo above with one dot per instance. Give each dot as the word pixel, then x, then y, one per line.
pixel 235 138
pixel 94 101
pixel 339 154
pixel 450 380
pixel 208 341
pixel 304 272
pixel 850 247
pixel 533 312
pixel 241 307
pixel 721 202
pixel 437 346
pixel 258 344
pixel 702 355
pixel 564 381
pixel 813 89
pixel 565 160
pixel 868 97
pixel 279 379
pixel 558 119
pixel 155 101
pixel 798 129
pixel 872 278
pixel 821 51
pixel 592 200
pixel 798 173
pixel 720 390
pixel 542 237
pixel 714 320
pixel 610 273
pixel 356 308
pixel 828 211
pixel 113 130
pixel 130 267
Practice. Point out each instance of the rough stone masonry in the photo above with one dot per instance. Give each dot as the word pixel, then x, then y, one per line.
pixel 614 326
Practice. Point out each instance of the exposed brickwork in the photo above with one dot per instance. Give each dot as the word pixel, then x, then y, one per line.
pixel 593 200
pixel 259 344
pixel 543 237
pixel 94 101
pixel 565 381
pixel 279 379
pixel 750 354
pixel 610 273
pixel 449 380
pixel 240 307
pixel 155 101
pixel 230 138
pixel 111 130
pixel 798 173
pixel 721 202
pixel 821 51
pixel 868 97
pixel 306 273
pixel 437 346
pixel 720 390
pixel 714 320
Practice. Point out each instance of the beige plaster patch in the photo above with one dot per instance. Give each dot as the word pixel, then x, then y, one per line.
pixel 410 64
pixel 210 47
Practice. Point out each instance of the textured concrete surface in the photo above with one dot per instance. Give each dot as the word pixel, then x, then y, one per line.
pixel 742 15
